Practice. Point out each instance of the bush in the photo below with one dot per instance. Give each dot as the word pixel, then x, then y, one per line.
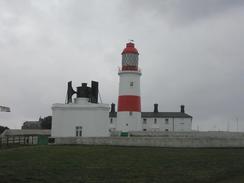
pixel 46 122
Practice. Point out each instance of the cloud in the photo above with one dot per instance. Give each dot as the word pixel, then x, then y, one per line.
pixel 190 53
pixel 177 12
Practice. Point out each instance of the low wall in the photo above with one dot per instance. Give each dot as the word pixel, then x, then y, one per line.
pixel 192 142
pixel 211 134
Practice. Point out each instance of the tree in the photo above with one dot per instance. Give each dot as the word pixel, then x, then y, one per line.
pixel 2 128
pixel 46 122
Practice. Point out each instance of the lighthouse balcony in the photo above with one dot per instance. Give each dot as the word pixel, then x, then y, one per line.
pixel 131 69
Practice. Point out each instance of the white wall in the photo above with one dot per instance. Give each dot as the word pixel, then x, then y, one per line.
pixel 182 124
pixel 174 124
pixel 112 124
pixel 192 142
pixel 129 121
pixel 94 119
pixel 125 77
pixel 160 124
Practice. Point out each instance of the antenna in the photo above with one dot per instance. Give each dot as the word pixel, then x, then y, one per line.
pixel 237 125
pixel 66 98
pixel 228 126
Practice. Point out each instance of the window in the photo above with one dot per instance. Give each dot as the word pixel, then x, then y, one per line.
pixel 111 120
pixel 130 113
pixel 155 120
pixel 166 121
pixel 144 121
pixel 78 131
pixel 131 83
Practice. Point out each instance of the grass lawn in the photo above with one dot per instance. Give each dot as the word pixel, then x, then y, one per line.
pixel 120 164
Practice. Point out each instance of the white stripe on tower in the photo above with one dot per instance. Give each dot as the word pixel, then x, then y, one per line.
pixel 129 101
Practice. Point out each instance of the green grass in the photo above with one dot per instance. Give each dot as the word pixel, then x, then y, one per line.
pixel 120 164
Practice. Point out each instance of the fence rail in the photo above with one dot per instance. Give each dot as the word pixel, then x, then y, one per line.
pixel 23 140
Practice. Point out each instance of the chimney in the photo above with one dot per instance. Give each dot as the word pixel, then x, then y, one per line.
pixel 112 108
pixel 155 108
pixel 182 108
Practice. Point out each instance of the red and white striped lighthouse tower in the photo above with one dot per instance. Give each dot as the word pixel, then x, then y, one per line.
pixel 129 101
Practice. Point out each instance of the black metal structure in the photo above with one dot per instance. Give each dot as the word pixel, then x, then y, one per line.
pixel 83 91
pixel 94 92
pixel 70 92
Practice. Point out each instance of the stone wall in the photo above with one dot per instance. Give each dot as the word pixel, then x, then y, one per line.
pixel 211 134
pixel 190 140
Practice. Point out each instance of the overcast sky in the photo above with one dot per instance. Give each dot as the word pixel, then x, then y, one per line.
pixel 191 53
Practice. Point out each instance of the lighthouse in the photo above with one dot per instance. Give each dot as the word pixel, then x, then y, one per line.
pixel 129 100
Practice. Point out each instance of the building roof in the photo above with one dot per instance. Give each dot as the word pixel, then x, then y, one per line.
pixel 130 48
pixel 158 115
pixel 29 132
pixel 165 115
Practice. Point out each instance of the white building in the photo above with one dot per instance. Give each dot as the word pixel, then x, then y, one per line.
pixel 158 121
pixel 81 117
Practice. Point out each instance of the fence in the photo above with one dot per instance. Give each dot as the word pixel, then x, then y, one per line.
pixel 24 140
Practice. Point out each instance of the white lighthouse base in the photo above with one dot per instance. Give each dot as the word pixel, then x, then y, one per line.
pixel 82 119
pixel 129 121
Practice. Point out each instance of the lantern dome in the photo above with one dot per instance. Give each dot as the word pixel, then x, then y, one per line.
pixel 130 48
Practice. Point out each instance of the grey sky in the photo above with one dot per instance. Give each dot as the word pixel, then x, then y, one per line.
pixel 191 52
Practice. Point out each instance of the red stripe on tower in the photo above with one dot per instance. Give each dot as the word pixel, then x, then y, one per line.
pixel 129 103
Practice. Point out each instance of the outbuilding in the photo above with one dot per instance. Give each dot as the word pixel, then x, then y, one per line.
pixel 83 117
